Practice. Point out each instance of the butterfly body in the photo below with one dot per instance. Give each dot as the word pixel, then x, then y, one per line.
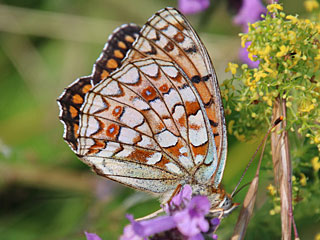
pixel 150 116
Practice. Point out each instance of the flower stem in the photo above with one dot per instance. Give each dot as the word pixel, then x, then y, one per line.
pixel 282 169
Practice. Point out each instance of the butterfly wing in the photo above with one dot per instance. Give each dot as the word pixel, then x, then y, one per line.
pixel 145 126
pixel 153 123
pixel 115 50
pixel 71 100
pixel 169 36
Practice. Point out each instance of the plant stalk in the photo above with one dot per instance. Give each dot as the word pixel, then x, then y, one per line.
pixel 282 168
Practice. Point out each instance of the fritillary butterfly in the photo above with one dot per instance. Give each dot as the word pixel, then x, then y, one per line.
pixel 150 116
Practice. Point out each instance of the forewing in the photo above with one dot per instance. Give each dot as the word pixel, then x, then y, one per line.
pixel 149 115
pixel 169 36
pixel 71 100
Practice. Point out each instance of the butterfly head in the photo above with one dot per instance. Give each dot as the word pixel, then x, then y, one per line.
pixel 221 202
pixel 226 206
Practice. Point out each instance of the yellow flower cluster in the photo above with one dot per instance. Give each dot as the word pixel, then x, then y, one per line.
pixel 283 51
pixel 315 164
pixel 274 7
pixel 275 210
pixel 288 50
pixel 306 106
pixel 232 67
pixel 280 45
pixel 272 190
pixel 303 180
pixel 310 5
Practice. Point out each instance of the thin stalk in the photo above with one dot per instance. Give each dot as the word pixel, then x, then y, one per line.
pixel 282 169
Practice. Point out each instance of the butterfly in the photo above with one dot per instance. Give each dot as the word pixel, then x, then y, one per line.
pixel 150 116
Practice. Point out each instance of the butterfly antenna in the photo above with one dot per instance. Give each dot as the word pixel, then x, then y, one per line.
pixel 242 187
pixel 276 122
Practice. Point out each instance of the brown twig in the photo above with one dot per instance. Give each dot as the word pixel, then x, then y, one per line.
pixel 282 168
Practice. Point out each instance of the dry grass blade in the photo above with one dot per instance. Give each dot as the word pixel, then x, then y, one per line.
pixel 282 169
pixel 248 205
pixel 275 140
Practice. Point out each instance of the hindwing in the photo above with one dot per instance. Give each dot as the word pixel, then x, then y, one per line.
pixel 71 100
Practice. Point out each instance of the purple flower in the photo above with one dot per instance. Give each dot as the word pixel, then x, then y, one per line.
pixel 185 216
pixel 192 6
pixel 249 12
pixel 141 230
pixel 152 226
pixel 191 220
pixel 180 200
pixel 92 236
pixel 129 234
pixel 215 222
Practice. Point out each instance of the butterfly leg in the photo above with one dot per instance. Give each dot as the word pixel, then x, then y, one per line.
pixel 175 192
pixel 151 215
pixel 221 212
pixel 154 214
pixel 217 212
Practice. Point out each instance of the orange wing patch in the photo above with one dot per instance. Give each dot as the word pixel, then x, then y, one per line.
pixel 173 39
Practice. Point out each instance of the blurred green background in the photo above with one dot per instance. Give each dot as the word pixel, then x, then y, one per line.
pixel 45 191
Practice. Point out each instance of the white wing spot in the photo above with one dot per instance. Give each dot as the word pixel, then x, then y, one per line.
pixel 187 94
pixel 156 157
pixel 131 117
pixel 125 152
pixel 159 107
pixel 151 33
pixel 151 70
pixel 140 104
pixel 98 105
pixel 132 76
pixel 92 127
pixel 144 128
pixel 183 150
pixel 171 98
pixel 185 161
pixel 178 113
pixel 159 24
pixel 171 31
pixel 143 45
pixel 109 150
pixel 146 142
pixel 127 135
pixel 112 89
pixel 199 159
pixel 171 71
pixel 166 139
pixel 198 133
pixel 188 43
pixel 173 168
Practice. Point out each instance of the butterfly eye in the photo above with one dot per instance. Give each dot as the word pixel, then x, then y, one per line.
pixel 226 203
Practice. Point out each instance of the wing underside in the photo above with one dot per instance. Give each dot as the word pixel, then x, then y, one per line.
pixel 150 116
